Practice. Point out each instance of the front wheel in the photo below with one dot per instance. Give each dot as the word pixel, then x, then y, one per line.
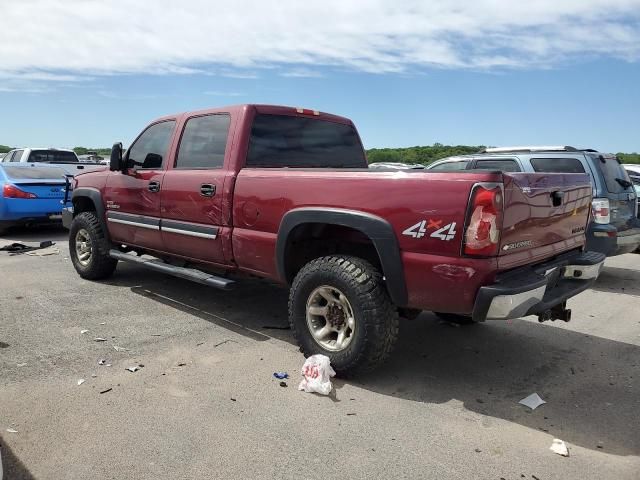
pixel 339 307
pixel 89 248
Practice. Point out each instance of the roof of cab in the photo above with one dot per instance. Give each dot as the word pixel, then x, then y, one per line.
pixel 265 109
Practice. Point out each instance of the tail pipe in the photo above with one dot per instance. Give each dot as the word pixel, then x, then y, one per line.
pixel 559 312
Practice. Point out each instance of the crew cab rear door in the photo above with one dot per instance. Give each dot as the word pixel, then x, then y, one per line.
pixel 194 213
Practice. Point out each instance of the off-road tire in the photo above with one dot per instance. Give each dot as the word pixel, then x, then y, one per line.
pixel 376 317
pixel 455 318
pixel 100 264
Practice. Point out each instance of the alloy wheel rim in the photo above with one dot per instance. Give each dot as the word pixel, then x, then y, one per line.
pixel 84 248
pixel 330 318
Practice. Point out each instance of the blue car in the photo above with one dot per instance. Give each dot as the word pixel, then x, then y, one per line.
pixel 31 194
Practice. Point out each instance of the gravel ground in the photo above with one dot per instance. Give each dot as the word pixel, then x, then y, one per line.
pixel 205 404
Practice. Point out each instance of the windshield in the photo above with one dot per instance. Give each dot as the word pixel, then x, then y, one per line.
pixel 34 173
pixel 49 156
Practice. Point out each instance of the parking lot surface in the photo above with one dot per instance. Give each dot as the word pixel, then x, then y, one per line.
pixel 205 404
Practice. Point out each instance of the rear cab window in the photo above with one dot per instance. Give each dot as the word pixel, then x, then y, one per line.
pixel 281 141
pixel 52 156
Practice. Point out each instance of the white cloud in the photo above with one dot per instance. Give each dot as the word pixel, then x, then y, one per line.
pixel 62 40
pixel 301 73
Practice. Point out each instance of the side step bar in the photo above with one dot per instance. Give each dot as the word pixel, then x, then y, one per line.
pixel 181 272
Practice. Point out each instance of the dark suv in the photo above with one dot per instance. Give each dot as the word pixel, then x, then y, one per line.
pixel 614 228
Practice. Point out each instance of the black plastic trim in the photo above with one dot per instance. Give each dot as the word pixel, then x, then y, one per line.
pixel 377 229
pixel 96 197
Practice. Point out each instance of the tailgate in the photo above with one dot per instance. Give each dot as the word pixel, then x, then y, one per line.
pixel 544 209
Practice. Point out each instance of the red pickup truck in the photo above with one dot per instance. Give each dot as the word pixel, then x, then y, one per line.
pixel 285 194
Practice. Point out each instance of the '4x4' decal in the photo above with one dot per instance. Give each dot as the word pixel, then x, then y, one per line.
pixel 419 230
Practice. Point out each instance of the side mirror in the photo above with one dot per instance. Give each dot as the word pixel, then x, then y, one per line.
pixel 115 163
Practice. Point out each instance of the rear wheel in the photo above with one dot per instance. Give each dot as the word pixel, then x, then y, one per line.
pixel 455 318
pixel 89 248
pixel 339 307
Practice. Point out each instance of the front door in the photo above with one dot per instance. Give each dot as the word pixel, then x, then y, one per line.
pixel 193 207
pixel 132 199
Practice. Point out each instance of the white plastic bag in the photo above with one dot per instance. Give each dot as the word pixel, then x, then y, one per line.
pixel 317 373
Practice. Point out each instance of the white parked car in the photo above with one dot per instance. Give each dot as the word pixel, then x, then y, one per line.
pixel 67 159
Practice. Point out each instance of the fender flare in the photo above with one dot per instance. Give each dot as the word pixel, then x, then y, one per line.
pixel 96 197
pixel 377 229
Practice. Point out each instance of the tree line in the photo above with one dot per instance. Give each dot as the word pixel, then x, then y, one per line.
pixel 431 153
pixel 423 155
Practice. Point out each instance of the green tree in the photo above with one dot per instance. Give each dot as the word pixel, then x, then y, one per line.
pixel 629 157
pixel 5 149
pixel 418 154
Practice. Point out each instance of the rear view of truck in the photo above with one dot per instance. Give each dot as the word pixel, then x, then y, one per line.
pixel 540 257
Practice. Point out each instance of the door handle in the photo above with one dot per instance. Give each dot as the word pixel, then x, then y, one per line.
pixel 556 198
pixel 207 190
pixel 153 186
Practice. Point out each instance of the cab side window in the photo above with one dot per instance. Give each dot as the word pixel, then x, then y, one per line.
pixel 203 142
pixel 448 166
pixel 150 149
pixel 17 155
pixel 503 165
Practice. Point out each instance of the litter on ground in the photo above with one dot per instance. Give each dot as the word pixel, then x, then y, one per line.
pixel 559 447
pixel 99 339
pixel 44 252
pixel 83 331
pixel 20 248
pixel 533 401
pixel 135 368
pixel 281 375
pixel 107 390
pixel 81 381
pixel 119 349
pixel 317 373
pixel 12 430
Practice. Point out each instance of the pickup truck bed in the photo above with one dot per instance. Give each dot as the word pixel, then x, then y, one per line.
pixel 284 194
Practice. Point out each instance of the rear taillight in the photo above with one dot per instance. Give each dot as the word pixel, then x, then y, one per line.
pixel 11 191
pixel 600 210
pixel 484 220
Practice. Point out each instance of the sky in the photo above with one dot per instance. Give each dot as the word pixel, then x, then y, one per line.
pixel 488 72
